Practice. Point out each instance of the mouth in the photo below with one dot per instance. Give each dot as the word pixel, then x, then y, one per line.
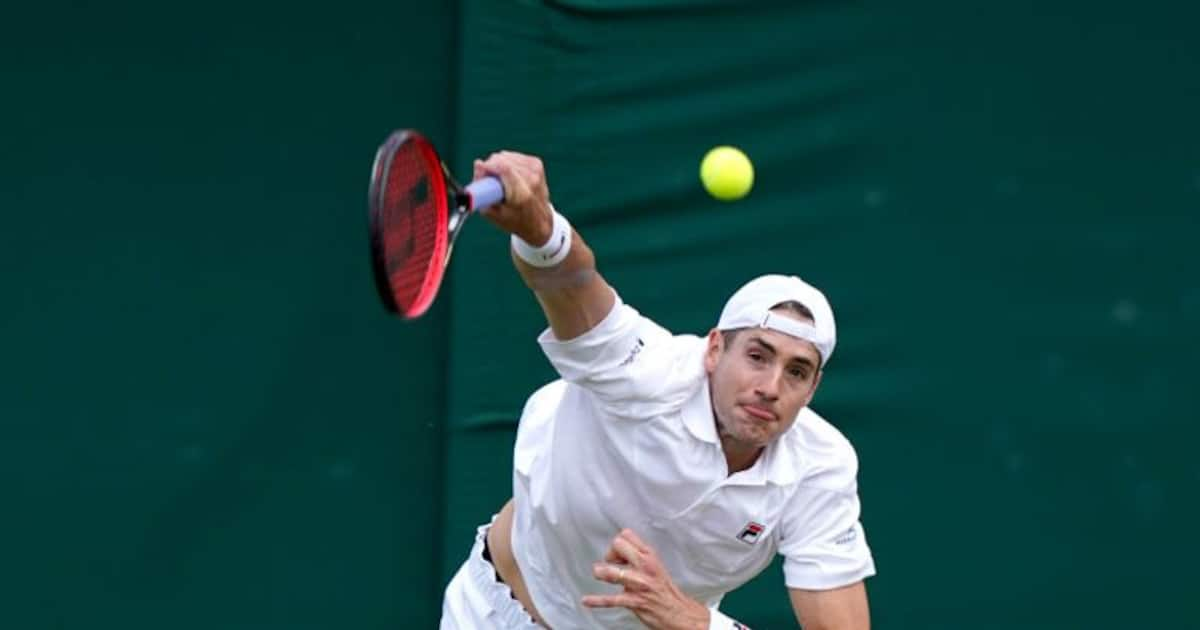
pixel 759 413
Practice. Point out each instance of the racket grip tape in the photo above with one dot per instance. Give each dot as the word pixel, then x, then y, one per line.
pixel 485 192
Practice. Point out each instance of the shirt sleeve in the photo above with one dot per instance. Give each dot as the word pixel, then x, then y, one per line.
pixel 823 542
pixel 634 367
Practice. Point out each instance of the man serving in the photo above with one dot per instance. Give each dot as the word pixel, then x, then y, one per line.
pixel 662 471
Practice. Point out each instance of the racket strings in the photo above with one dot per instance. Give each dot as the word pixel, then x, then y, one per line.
pixel 410 224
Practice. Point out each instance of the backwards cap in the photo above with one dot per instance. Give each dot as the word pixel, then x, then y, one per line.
pixel 750 307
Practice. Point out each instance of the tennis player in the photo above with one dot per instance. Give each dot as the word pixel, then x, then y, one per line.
pixel 662 471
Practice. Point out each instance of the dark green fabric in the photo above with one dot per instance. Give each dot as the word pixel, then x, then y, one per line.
pixel 999 203
pixel 207 420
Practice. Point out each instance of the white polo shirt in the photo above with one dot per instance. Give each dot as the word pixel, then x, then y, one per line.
pixel 627 439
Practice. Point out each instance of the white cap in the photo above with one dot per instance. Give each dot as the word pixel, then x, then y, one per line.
pixel 750 307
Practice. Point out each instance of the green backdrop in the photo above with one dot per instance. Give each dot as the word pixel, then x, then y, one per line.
pixel 208 422
pixel 999 203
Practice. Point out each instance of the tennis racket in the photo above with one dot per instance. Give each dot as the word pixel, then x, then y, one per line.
pixel 416 211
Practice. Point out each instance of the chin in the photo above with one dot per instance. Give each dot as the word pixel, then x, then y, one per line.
pixel 752 435
pixel 757 440
pixel 747 431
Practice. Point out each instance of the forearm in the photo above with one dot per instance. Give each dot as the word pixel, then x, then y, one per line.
pixel 551 257
pixel 572 294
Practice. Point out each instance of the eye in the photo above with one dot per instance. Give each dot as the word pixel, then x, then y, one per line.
pixel 756 356
pixel 799 373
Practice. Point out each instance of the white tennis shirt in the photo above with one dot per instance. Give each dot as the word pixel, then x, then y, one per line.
pixel 627 439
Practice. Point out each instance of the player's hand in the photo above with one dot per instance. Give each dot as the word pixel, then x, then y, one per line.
pixel 649 591
pixel 526 209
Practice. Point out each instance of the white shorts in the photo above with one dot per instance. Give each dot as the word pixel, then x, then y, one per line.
pixel 476 599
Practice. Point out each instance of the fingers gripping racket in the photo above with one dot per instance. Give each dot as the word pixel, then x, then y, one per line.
pixel 416 212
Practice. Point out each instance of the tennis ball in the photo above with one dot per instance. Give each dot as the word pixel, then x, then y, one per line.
pixel 726 173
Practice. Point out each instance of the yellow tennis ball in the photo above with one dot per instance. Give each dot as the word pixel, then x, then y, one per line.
pixel 727 173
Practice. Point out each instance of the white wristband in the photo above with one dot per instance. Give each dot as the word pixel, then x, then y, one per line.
pixel 719 621
pixel 555 249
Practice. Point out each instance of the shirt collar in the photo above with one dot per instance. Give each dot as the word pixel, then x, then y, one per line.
pixel 698 415
pixel 780 461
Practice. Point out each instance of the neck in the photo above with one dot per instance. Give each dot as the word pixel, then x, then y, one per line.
pixel 738 455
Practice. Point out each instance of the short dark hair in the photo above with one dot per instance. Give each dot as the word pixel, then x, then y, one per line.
pixel 793 306
pixel 797 309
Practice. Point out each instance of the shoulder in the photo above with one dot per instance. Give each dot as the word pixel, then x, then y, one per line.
pixel 662 358
pixel 629 364
pixel 824 457
pixel 613 343
pixel 660 374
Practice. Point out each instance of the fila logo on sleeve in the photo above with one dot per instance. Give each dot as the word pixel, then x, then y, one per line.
pixel 751 532
pixel 633 353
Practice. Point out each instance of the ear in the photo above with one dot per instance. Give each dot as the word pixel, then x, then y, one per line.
pixel 712 354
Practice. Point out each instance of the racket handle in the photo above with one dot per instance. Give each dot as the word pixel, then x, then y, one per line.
pixel 485 192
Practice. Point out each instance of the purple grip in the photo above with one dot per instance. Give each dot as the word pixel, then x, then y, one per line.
pixel 485 192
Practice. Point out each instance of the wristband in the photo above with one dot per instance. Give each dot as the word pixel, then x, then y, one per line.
pixel 719 621
pixel 555 249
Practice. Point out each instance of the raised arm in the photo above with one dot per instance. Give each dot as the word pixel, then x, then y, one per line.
pixel 572 293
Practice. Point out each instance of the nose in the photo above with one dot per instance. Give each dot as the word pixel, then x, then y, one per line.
pixel 767 387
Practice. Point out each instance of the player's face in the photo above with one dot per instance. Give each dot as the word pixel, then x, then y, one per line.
pixel 759 382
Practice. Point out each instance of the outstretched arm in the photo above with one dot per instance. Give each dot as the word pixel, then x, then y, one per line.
pixel 573 295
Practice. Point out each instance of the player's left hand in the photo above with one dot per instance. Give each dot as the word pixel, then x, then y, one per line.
pixel 649 591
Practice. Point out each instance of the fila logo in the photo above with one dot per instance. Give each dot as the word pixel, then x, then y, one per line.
pixel 562 240
pixel 633 353
pixel 847 537
pixel 740 626
pixel 750 533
